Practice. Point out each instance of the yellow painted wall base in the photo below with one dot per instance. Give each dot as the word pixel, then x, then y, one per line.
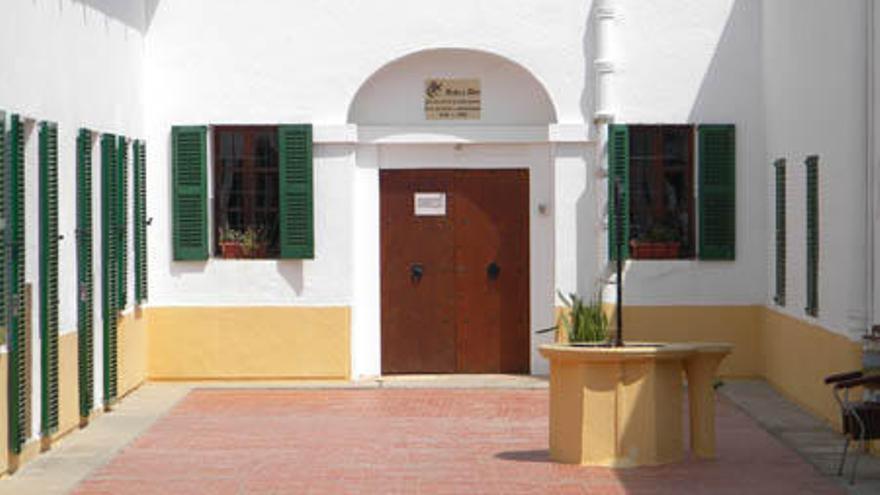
pixel 68 384
pixel 797 358
pixel 4 413
pixel 29 452
pixel 793 355
pixel 737 325
pixel 249 343
pixel 132 349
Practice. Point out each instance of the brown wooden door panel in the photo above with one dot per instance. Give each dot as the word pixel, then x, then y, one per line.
pixel 457 317
pixel 492 310
pixel 418 316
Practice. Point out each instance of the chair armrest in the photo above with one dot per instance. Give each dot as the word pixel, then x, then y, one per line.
pixel 839 377
pixel 858 382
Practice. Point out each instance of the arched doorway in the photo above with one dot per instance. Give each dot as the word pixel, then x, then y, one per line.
pixel 458 140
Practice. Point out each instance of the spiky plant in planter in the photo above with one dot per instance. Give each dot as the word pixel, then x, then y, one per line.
pixel 583 321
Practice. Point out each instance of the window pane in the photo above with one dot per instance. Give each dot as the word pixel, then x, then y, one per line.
pixel 246 196
pixel 661 209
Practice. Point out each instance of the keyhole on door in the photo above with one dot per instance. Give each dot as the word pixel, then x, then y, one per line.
pixel 493 271
pixel 416 270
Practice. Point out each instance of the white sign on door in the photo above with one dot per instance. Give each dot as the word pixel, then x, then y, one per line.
pixel 430 204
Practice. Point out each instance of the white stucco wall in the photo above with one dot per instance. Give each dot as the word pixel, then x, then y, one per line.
pixel 394 94
pixel 697 62
pixel 139 67
pixel 247 66
pixel 815 100
pixel 674 63
pixel 78 63
pixel 305 60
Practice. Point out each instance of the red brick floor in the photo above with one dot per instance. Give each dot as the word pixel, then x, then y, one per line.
pixel 413 441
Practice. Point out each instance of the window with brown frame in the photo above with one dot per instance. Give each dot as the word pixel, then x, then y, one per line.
pixel 661 191
pixel 246 191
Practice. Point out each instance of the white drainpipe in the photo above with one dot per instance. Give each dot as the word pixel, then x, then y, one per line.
pixel 870 163
pixel 603 64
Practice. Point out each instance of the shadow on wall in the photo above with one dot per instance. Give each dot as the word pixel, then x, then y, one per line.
pixel 733 81
pixel 587 210
pixel 292 272
pixel 729 92
pixel 126 13
pixel 588 95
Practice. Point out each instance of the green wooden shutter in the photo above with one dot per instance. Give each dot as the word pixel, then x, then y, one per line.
pixel 140 222
pixel 189 146
pixel 109 262
pixel 18 351
pixel 49 277
pixel 779 298
pixel 122 220
pixel 296 205
pixel 618 170
pixel 717 192
pixel 85 277
pixel 3 223
pixel 812 165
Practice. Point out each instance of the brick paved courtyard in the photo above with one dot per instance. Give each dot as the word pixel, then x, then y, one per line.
pixel 413 441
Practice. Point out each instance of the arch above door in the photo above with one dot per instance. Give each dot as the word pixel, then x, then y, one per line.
pixel 394 95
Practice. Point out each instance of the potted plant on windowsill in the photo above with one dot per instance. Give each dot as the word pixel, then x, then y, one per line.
pixel 253 243
pixel 661 242
pixel 230 243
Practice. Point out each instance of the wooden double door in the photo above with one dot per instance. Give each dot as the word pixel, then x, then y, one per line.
pixel 455 271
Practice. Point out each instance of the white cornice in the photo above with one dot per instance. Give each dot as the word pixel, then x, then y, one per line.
pixel 450 134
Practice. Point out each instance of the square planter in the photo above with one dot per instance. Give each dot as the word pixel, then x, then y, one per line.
pixel 231 250
pixel 649 250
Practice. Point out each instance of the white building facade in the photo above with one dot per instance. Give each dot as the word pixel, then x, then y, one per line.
pixel 785 80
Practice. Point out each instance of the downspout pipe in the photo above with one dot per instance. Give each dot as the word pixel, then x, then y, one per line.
pixel 603 63
pixel 604 16
pixel 870 161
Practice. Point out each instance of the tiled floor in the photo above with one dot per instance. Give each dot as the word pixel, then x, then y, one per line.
pixel 812 438
pixel 414 441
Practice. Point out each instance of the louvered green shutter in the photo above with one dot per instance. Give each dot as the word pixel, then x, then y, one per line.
pixel 122 220
pixel 3 222
pixel 18 351
pixel 296 206
pixel 49 277
pixel 189 146
pixel 85 277
pixel 618 172
pixel 717 192
pixel 812 165
pixel 109 262
pixel 780 232
pixel 140 222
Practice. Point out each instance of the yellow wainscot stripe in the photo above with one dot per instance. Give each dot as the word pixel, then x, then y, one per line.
pixel 737 325
pixel 799 355
pixel 68 384
pixel 792 354
pixel 249 343
pixel 4 412
pixel 132 348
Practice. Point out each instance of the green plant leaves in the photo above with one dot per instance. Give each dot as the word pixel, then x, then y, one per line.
pixel 583 322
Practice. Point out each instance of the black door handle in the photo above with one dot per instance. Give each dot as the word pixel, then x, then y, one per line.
pixel 493 271
pixel 416 270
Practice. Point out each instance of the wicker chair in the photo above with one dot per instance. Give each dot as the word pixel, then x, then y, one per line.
pixel 861 419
